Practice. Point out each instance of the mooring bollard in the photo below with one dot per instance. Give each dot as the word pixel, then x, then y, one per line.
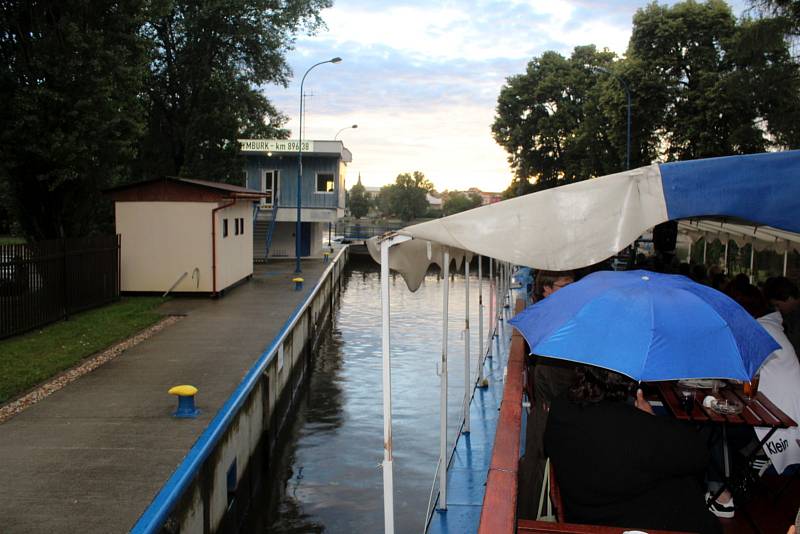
pixel 185 394
pixel 298 283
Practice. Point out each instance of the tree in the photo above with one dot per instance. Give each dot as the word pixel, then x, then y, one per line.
pixel 359 202
pixel 728 87
pixel 406 198
pixel 70 81
pixel 550 123
pixel 456 201
pixel 702 84
pixel 209 61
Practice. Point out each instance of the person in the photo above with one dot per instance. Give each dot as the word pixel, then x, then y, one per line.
pixel 784 296
pixel 547 378
pixel 780 382
pixel 618 465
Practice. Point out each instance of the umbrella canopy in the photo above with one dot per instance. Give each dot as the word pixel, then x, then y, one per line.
pixel 648 326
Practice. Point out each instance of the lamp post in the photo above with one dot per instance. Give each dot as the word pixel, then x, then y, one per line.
pixel 604 70
pixel 297 268
pixel 343 129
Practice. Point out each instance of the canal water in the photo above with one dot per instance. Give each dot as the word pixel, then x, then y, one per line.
pixel 330 464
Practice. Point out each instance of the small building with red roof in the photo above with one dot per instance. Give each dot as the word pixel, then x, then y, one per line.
pixel 183 235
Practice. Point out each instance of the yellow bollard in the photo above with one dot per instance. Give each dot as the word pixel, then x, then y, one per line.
pixel 185 394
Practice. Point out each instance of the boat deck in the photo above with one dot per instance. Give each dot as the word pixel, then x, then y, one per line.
pixel 469 464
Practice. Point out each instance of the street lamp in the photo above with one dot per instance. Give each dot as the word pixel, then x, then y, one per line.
pixel 297 268
pixel 596 68
pixel 343 129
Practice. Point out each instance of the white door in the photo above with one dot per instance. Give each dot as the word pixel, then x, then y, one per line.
pixel 269 181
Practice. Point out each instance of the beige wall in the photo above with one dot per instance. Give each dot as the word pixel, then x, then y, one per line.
pixel 162 240
pixel 235 252
pixel 283 243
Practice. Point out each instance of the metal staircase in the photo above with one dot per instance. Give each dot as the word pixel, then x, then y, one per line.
pixel 263 231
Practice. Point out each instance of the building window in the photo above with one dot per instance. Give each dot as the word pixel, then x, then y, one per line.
pixel 325 182
pixel 241 225
pixel 224 227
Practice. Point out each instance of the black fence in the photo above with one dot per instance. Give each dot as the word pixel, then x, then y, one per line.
pixel 47 281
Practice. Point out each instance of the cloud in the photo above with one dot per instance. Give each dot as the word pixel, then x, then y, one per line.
pixel 421 78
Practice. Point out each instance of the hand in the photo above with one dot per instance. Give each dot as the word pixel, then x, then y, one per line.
pixel 642 404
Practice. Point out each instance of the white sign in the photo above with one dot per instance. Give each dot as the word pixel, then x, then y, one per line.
pixel 274 145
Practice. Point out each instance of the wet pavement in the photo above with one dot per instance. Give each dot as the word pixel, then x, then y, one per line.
pixel 92 456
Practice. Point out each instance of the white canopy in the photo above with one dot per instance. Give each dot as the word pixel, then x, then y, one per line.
pixel 749 199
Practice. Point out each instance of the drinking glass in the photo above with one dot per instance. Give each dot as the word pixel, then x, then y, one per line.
pixel 751 387
pixel 686 396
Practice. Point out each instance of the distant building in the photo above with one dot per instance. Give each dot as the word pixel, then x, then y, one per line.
pixel 271 167
pixel 372 191
pixel 486 198
pixel 434 202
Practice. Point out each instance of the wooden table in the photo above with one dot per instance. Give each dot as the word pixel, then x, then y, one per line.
pixel 758 411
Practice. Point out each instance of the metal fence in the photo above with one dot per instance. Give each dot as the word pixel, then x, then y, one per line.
pixel 47 281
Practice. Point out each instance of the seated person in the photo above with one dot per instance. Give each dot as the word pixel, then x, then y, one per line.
pixel 619 465
pixel 784 296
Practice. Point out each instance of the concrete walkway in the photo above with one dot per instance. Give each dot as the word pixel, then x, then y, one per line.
pixel 92 456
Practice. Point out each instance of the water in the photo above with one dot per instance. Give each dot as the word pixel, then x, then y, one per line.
pixel 330 464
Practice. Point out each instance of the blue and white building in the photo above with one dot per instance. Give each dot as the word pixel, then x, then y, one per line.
pixel 271 167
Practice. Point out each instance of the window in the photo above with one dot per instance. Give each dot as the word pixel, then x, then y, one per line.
pixel 241 225
pixel 224 227
pixel 325 182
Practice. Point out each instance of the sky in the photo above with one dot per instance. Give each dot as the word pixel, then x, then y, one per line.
pixel 421 79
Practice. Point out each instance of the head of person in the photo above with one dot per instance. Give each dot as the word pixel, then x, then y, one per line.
pixel 751 299
pixel 551 281
pixel 782 293
pixel 595 384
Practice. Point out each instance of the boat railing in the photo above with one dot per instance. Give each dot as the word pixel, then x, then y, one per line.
pixel 499 512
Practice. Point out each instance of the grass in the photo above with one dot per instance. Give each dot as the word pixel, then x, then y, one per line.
pixel 8 240
pixel 32 358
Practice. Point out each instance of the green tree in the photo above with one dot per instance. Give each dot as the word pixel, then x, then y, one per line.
pixel 209 62
pixel 550 122
pixel 70 81
pixel 727 87
pixel 457 201
pixel 359 202
pixel 406 198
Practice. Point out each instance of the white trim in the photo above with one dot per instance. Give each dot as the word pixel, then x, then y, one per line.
pixel 316 183
pixel 275 174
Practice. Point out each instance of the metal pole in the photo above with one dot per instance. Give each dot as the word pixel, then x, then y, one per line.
pixel 481 350
pixel 705 248
pixel 628 144
pixel 388 473
pixel 443 395
pixel 467 392
pixel 725 265
pixel 298 226
pixel 785 258
pixel 491 299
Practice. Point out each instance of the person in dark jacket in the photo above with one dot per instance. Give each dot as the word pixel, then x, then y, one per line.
pixel 619 465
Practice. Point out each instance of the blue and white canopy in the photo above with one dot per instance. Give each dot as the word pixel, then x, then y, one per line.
pixel 750 198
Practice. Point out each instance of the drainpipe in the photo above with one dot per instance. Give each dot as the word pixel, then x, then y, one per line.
pixel 214 243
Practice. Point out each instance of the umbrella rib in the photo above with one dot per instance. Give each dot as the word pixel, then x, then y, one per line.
pixel 652 334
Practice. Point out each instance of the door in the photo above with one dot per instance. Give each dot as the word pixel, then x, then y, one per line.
pixel 305 239
pixel 269 181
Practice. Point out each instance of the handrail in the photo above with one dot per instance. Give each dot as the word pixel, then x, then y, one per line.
pixel 159 509
pixel 173 286
pixel 499 511
pixel 429 510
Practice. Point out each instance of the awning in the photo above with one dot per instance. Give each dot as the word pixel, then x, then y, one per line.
pixel 755 198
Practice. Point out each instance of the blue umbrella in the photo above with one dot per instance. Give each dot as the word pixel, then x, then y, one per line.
pixel 648 326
